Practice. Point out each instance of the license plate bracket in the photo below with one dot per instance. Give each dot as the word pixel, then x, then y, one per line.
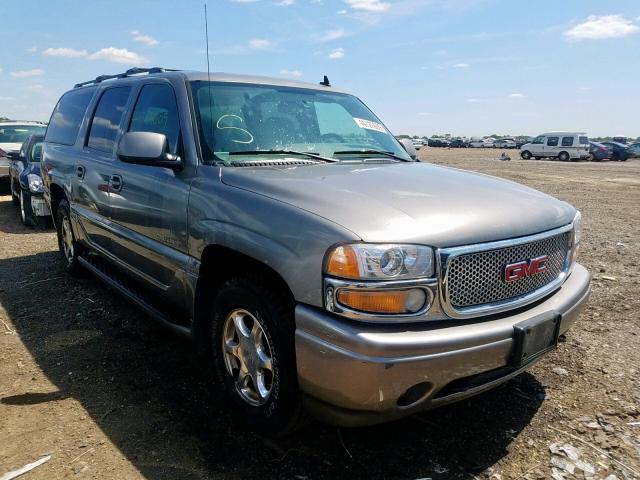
pixel 534 337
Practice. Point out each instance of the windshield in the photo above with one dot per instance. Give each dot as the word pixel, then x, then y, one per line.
pixel 235 118
pixel 18 133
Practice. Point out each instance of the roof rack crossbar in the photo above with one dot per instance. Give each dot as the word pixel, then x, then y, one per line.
pixel 128 73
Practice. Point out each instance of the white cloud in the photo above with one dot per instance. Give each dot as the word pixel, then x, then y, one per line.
pixel 7 99
pixel 118 55
pixel 285 3
pixel 368 5
pixel 342 12
pixel 32 49
pixel 460 65
pixel 260 44
pixel 139 37
pixel 332 35
pixel 517 95
pixel 336 53
pixel 35 86
pixel 36 72
pixel 424 114
pixel 64 52
pixel 472 100
pixel 245 1
pixel 599 27
pixel 0 70
pixel 291 73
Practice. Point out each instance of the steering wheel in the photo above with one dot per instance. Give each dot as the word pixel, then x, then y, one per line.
pixel 332 138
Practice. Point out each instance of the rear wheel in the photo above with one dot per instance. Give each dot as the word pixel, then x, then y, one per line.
pixel 526 155
pixel 564 157
pixel 252 344
pixel 70 249
pixel 538 158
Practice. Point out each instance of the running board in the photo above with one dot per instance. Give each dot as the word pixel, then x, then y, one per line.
pixel 114 279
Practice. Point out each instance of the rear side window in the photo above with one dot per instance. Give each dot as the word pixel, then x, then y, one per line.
pixel 552 141
pixel 157 111
pixel 106 119
pixel 67 116
pixel 584 140
pixel 567 141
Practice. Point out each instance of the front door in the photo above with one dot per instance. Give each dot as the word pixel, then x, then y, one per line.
pixel 149 204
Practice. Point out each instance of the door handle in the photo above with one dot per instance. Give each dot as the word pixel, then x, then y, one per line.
pixel 115 183
pixel 80 171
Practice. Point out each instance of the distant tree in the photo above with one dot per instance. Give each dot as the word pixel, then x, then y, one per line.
pixel 5 119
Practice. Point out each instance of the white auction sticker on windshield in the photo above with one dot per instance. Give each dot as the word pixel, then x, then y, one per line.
pixel 369 125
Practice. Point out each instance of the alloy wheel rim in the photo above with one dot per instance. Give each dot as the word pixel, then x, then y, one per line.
pixel 67 239
pixel 248 357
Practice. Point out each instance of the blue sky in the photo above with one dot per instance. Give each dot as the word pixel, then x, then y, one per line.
pixel 467 67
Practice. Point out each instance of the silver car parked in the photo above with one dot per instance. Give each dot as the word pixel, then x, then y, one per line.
pixel 282 228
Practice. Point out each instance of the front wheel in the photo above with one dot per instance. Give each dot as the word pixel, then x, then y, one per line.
pixel 252 344
pixel 526 155
pixel 26 212
pixel 70 249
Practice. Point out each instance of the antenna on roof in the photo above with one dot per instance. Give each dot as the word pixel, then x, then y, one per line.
pixel 325 82
pixel 206 33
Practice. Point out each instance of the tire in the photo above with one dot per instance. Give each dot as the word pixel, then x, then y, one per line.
pixel 70 249
pixel 526 155
pixel 564 157
pixel 615 157
pixel 26 212
pixel 537 158
pixel 270 402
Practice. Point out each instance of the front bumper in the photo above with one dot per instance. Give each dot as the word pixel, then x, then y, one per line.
pixel 359 374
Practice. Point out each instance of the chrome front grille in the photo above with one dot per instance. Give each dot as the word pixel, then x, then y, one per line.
pixel 473 277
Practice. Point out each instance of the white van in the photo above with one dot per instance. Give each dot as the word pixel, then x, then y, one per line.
pixel 564 146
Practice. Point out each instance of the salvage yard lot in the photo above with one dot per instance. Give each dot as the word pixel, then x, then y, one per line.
pixel 96 384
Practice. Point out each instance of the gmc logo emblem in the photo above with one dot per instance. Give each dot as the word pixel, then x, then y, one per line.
pixel 526 268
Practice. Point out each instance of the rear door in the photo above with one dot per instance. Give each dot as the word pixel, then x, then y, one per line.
pixel 149 205
pixel 569 144
pixel 94 166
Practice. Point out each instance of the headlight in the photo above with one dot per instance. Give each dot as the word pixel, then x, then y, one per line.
pixel 35 183
pixel 380 262
pixel 577 236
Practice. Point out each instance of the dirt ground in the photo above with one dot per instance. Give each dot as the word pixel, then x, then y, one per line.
pixel 96 384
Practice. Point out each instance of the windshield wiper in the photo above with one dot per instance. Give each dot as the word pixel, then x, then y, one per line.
pixel 371 152
pixel 285 152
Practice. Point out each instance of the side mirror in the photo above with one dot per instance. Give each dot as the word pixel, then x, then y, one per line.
pixel 408 146
pixel 13 155
pixel 147 148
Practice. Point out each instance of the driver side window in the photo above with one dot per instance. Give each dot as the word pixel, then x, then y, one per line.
pixel 156 111
pixel 538 141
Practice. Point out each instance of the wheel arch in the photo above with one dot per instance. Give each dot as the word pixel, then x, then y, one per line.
pixel 219 263
pixel 56 194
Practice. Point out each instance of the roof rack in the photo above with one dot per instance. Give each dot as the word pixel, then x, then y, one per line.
pixel 129 73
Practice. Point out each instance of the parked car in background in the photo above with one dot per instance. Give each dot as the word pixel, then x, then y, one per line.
pixel 504 143
pixel 522 140
pixel 212 203
pixel 476 143
pixel 619 151
pixel 417 143
pixel 564 146
pixel 634 150
pixel 26 182
pixel 599 152
pixel 12 136
pixel 458 143
pixel 620 139
pixel 438 142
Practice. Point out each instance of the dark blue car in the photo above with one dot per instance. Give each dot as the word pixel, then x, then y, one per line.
pixel 619 151
pixel 599 152
pixel 26 182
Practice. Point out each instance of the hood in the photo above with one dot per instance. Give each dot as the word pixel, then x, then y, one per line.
pixel 409 202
